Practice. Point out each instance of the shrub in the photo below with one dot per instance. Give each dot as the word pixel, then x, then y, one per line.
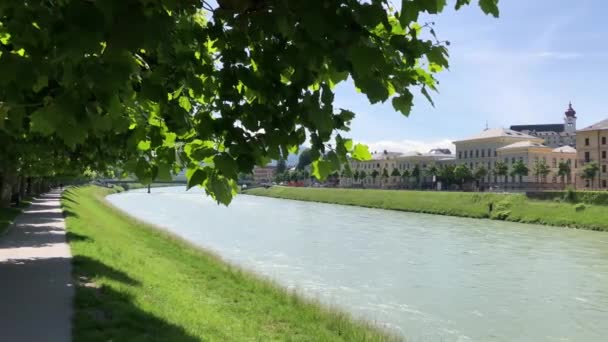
pixel 570 195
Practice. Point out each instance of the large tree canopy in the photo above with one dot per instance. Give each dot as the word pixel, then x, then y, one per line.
pixel 156 86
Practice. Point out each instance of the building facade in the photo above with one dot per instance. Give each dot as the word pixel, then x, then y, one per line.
pixel 386 165
pixel 531 153
pixel 482 149
pixel 592 148
pixel 554 135
pixel 508 146
pixel 264 174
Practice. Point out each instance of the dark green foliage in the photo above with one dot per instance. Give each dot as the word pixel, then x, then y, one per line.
pixel 154 87
pixel 572 196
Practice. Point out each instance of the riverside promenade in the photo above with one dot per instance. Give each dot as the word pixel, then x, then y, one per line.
pixel 36 288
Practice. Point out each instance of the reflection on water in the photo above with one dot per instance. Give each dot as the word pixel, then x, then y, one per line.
pixel 433 278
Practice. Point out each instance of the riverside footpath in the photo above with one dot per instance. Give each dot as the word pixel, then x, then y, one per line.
pixel 36 287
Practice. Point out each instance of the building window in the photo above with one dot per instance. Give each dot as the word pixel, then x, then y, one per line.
pixel 586 141
pixel 476 153
pixel 603 183
pixel 460 155
pixel 483 153
pixel 603 140
pixel 587 158
pixel 603 154
pixel 465 154
pixel 495 153
pixel 554 162
pixel 604 168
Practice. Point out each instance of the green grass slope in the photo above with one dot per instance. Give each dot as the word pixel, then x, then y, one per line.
pixel 510 207
pixel 137 283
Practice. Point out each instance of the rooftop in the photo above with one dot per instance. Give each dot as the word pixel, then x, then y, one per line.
pixel 522 144
pixel 385 155
pixel 565 149
pixel 597 126
pixel 490 133
pixel 557 128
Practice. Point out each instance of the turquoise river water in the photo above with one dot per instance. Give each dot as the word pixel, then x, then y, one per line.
pixel 427 277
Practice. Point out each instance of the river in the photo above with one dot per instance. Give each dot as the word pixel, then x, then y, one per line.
pixel 428 277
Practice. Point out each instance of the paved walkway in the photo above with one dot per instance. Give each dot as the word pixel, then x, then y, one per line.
pixel 36 289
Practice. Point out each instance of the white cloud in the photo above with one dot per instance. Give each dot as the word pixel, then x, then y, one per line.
pixel 559 55
pixel 408 145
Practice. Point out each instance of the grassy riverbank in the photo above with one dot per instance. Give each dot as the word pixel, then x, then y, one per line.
pixel 139 283
pixel 509 207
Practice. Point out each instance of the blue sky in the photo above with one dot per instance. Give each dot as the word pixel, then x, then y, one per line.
pixel 521 68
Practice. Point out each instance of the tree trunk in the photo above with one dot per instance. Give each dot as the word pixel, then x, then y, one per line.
pixel 29 186
pixel 22 187
pixel 9 178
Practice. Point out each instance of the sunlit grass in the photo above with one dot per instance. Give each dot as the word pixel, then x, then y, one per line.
pixel 137 283
pixel 510 207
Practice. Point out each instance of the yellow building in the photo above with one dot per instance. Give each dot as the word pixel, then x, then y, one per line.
pixel 482 149
pixel 509 146
pixel 592 147
pixel 531 153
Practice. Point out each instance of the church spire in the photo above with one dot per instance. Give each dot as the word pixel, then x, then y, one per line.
pixel 571 113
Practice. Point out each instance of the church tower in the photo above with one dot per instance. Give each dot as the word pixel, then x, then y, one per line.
pixel 570 120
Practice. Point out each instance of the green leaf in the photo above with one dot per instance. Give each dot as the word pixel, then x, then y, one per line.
pixel 438 55
pixel 403 103
pixel 321 169
pixel 293 149
pixel 143 171
pixel 40 121
pixel 409 13
pixel 184 102
pixel 361 152
pixel 333 159
pixel 362 57
pixel 427 95
pixel 143 145
pixel 3 114
pixel 176 93
pixel 489 7
pixel 221 189
pixel 226 165
pixel 195 177
pixel 164 172
pixel 169 140
pixel 321 119
pixel 41 83
pixel 460 3
pixel 431 6
pixel 348 144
